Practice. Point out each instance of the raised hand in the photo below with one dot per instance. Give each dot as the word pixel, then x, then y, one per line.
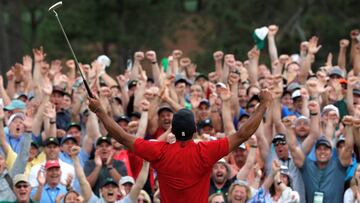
pixel 348 120
pixel 70 64
pixel 273 29
pixel 95 105
pixel 75 150
pixel 213 77
pixel 218 56
pixel 265 97
pixel 233 78
pixel 18 71
pixel 47 89
pixel 354 33
pixel 10 74
pixel 185 62
pixel 145 105
pixel 314 107
pixel 177 54
pixel 151 56
pixel 27 63
pixel 254 54
pixel 55 66
pixel 313 47
pixel 39 54
pixel 50 111
pixel 97 159
pixel 288 123
pixel 304 46
pixel 41 177
pixel 139 56
pixel 225 94
pixel 344 43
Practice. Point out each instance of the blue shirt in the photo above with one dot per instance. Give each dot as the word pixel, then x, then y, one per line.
pixel 83 157
pixel 48 194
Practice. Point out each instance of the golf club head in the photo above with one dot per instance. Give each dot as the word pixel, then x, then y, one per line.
pixel 55 6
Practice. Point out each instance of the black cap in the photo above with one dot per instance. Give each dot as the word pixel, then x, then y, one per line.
pixel 183 125
pixel 180 78
pixel 122 118
pixel 132 83
pixel 323 141
pixel 201 76
pixel 206 122
pixel 279 138
pixel 204 101
pixel 135 114
pixel 103 139
pixel 108 181
pixel 68 137
pixel 51 140
pixel 35 144
pixel 73 124
pixel 244 115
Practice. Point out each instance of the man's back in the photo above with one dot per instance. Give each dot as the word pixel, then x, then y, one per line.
pixel 183 168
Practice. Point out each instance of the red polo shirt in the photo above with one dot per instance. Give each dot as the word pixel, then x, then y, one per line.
pixel 183 168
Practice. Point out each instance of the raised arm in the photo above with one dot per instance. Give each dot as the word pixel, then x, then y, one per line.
pixel 218 57
pixel 85 187
pixel 313 48
pixel 296 152
pixel 344 43
pixel 226 112
pixel 253 123
pixel 4 145
pixel 151 56
pixel 111 126
pixel 140 181
pixel 253 55
pixel 145 105
pixel 314 134
pixel 250 160
pixel 273 29
pixel 345 153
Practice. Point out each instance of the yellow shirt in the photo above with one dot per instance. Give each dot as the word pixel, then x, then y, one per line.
pixel 11 157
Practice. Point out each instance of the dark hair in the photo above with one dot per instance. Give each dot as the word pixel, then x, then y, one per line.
pixel 272 188
pixel 69 192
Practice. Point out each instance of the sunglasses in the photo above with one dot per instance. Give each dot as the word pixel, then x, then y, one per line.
pixel 279 143
pixel 22 186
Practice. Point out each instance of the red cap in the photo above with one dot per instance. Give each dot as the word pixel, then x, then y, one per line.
pixel 343 81
pixel 52 164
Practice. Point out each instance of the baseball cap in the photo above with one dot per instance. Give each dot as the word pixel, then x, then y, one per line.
pixel 73 124
pixel 108 181
pixel 35 144
pixel 52 164
pixel 51 140
pixel 122 118
pixel 15 104
pixel 200 75
pixel 14 116
pixel 335 70
pixel 293 86
pixel 330 107
pixel 225 163
pixel 18 96
pixel 323 141
pixel 339 140
pixel 127 179
pixel 296 94
pixel 180 78
pixel 204 101
pixel 165 107
pixel 220 84
pixel 183 124
pixel 103 139
pixel 279 138
pixel 132 83
pixel 68 137
pixel 206 122
pixel 244 115
pixel 59 90
pixel 356 92
pixel 300 118
pixel 20 178
pixel 135 114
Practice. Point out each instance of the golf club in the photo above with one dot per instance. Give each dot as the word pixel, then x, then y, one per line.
pixel 53 9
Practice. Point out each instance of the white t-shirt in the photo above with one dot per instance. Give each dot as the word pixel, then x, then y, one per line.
pixel 349 196
pixel 66 170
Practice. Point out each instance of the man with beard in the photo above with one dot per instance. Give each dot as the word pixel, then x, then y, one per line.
pixel 49 186
pixel 220 175
pixel 103 166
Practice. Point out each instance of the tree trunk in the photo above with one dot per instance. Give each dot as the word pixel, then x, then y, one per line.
pixel 14 33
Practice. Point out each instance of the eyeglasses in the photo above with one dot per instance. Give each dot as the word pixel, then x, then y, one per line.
pixel 22 186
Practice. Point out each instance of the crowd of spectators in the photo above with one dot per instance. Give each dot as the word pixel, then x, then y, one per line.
pixel 54 149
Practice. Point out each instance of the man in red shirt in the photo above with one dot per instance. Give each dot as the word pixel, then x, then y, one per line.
pixel 183 168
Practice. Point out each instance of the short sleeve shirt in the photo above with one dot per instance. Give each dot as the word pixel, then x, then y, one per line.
pixel 183 168
pixel 326 180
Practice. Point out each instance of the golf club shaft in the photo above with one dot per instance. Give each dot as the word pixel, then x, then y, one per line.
pixel 76 61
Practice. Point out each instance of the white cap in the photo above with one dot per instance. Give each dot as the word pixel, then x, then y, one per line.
pixel 295 94
pixel 330 107
pixel 127 179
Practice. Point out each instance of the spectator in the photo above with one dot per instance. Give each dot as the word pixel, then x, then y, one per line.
pixel 220 178
pixel 21 189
